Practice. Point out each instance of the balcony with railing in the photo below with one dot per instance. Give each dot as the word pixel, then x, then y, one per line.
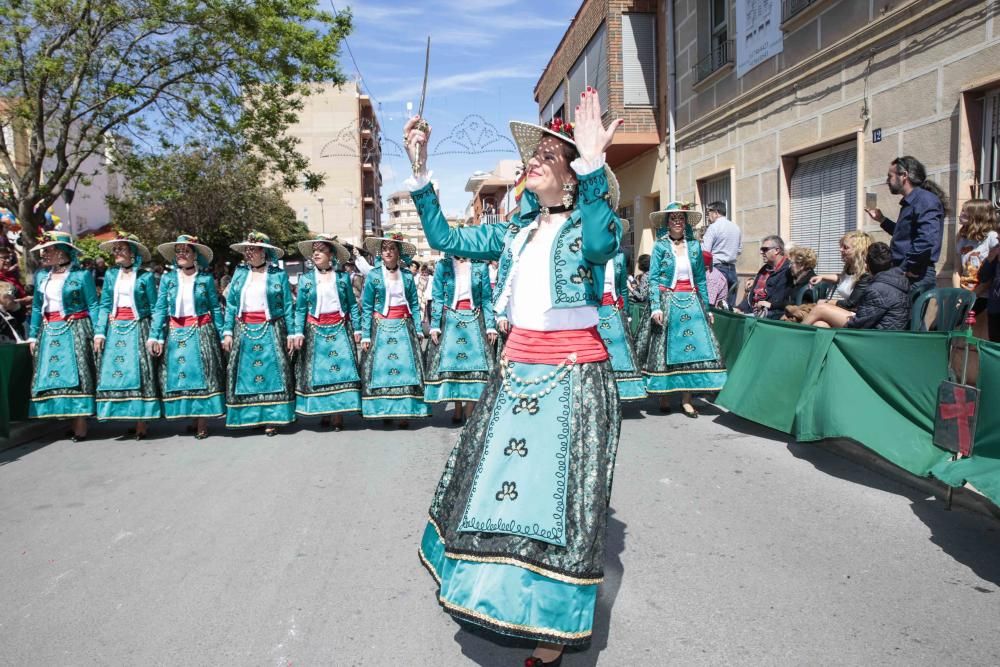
pixel 489 218
pixel 791 8
pixel 723 53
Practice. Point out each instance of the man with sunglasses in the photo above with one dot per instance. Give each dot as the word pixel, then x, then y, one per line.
pixel 769 291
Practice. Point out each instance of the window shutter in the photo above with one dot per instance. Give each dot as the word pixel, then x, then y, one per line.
pixel 577 83
pixel 824 201
pixel 597 65
pixel 639 58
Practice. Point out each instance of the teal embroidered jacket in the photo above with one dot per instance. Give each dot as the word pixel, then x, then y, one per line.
pixel 79 294
pixel 582 247
pixel 621 278
pixel 280 304
pixel 206 301
pixel 143 297
pixel 373 299
pixel 443 292
pixel 663 264
pixel 305 301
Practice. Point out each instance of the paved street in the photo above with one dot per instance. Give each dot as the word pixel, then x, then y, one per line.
pixel 727 546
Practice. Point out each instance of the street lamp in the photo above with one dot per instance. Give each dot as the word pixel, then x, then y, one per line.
pixel 322 214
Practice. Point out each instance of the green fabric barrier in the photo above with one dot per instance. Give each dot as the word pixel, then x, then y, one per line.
pixel 15 385
pixel 731 330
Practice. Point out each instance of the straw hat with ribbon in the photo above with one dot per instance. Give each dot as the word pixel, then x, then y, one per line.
pixel 61 240
pixel 373 244
pixel 342 254
pixel 260 240
pixel 138 249
pixel 169 250
pixel 527 136
pixel 693 215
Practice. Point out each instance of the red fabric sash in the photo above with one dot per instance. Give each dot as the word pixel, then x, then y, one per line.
pixel 681 286
pixel 190 321
pixel 464 304
pixel 554 347
pixel 325 318
pixel 124 314
pixel 395 313
pixel 59 317
pixel 609 300
pixel 257 317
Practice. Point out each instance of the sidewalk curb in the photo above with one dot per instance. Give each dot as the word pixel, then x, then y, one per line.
pixel 21 433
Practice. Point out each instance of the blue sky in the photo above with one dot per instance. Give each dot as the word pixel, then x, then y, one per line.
pixel 486 56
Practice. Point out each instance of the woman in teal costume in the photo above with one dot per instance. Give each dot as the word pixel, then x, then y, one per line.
pixel 463 335
pixel 516 535
pixel 185 332
pixel 614 329
pixel 327 381
pixel 677 346
pixel 64 311
pixel 259 335
pixel 126 372
pixel 391 369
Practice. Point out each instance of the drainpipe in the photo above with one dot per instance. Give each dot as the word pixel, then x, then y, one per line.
pixel 671 102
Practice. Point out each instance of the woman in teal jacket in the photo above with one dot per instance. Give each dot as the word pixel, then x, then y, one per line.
pixel 260 336
pixel 126 372
pixel 677 347
pixel 327 382
pixel 516 535
pixel 463 335
pixel 64 312
pixel 614 329
pixel 185 331
pixel 391 370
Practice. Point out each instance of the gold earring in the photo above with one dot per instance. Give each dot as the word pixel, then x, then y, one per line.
pixel 567 198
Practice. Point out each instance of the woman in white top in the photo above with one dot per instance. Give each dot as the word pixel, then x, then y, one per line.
pixel 977 237
pixel 850 283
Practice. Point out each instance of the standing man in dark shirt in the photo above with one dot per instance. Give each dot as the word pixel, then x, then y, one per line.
pixel 917 233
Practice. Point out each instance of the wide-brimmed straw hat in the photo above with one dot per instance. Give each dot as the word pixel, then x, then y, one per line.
pixel 373 244
pixel 626 225
pixel 169 250
pixel 62 240
pixel 659 218
pixel 342 254
pixel 259 240
pixel 133 240
pixel 527 136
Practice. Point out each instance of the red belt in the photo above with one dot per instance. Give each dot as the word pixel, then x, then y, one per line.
pixel 395 313
pixel 553 347
pixel 59 317
pixel 325 318
pixel 681 286
pixel 464 304
pixel 124 314
pixel 256 317
pixel 610 300
pixel 190 321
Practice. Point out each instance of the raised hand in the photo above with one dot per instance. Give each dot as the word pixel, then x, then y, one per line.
pixel 592 139
pixel 416 134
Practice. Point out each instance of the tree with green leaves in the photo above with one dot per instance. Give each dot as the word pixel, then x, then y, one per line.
pixel 214 195
pixel 80 78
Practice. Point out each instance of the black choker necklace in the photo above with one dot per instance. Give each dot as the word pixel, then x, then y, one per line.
pixel 63 266
pixel 393 269
pixel 258 266
pixel 326 270
pixel 549 210
pixel 189 270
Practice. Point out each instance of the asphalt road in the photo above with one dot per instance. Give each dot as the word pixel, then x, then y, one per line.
pixel 727 545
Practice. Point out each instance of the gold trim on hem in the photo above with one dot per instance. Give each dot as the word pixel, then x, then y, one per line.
pixel 513 626
pixel 501 560
pixel 439 382
pixel 39 399
pixel 391 398
pixel 271 423
pixel 690 372
pixel 65 416
pixel 331 412
pixel 191 398
pixel 427 564
pixel 330 393
pixel 122 400
pixel 175 417
pixel 259 405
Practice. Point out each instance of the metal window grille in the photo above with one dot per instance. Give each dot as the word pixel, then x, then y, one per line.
pixel 824 203
pixel 717 189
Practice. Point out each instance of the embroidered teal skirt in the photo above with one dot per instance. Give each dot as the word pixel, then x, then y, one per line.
pixel 517 526
pixel 126 374
pixel 327 380
pixel 683 354
pixel 259 382
pixel 192 375
pixel 63 380
pixel 392 376
pixel 614 331
pixel 458 368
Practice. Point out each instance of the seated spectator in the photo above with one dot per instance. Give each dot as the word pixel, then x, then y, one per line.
pixel 803 261
pixel 718 286
pixel 851 283
pixel 768 292
pixel 14 299
pixel 885 305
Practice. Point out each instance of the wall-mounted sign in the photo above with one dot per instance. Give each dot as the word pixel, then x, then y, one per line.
pixel 876 135
pixel 758 33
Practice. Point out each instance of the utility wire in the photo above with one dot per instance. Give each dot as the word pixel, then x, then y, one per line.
pixel 364 84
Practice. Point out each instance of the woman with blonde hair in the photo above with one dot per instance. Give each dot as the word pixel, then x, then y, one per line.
pixel 851 283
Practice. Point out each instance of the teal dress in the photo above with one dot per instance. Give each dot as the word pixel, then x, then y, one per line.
pixel 327 379
pixel 64 375
pixel 613 328
pixel 191 374
pixel 126 371
pixel 259 382
pixel 516 534
pixel 459 366
pixel 683 354
pixel 392 374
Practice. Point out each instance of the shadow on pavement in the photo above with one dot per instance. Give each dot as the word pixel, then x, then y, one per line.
pixel 970 538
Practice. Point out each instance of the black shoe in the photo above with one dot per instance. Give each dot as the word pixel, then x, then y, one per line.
pixel 140 436
pixel 338 428
pixel 77 438
pixel 201 435
pixel 691 414
pixel 403 424
pixel 270 431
